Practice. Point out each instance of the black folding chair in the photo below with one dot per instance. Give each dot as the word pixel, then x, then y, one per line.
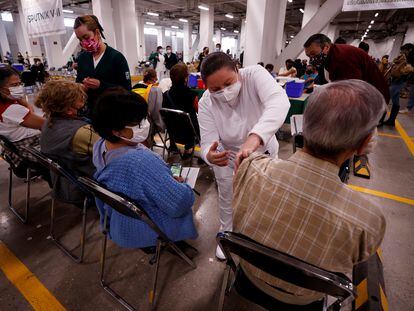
pixel 27 169
pixel 154 132
pixel 131 209
pixel 180 129
pixel 61 172
pixel 281 266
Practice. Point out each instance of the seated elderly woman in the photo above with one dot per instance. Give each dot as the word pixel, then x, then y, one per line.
pixel 65 137
pixel 127 167
pixel 18 123
pixel 180 97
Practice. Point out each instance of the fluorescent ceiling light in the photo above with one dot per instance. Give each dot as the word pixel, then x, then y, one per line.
pixel 67 11
pixel 183 20
pixel 68 22
pixel 369 26
pixel 376 14
pixel 6 16
pixel 372 22
pixel 175 27
pixel 222 28
pixel 290 1
pixel 367 30
pixel 292 37
pixel 229 16
pixel 152 14
pixel 202 7
pixel 301 10
pixel 236 31
pixel 150 23
pixel 288 41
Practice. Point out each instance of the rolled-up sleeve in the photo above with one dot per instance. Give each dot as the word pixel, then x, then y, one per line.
pixel 208 129
pixel 275 101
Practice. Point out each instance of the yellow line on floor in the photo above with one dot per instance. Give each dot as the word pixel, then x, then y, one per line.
pixel 383 194
pixel 391 135
pixel 29 286
pixel 404 136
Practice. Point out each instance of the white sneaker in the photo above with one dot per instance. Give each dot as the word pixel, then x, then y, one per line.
pixel 405 110
pixel 220 254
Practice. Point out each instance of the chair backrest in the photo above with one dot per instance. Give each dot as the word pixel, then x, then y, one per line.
pixel 120 203
pixel 56 168
pixel 179 126
pixel 284 266
pixel 8 146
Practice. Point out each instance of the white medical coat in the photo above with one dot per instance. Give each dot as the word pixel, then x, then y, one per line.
pixel 261 108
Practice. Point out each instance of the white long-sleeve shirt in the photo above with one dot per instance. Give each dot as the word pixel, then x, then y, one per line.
pixel 261 108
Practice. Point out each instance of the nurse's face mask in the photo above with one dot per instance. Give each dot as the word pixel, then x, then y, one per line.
pixel 226 87
pixel 139 132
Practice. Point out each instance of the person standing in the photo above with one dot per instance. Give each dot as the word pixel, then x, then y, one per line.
pixel 99 66
pixel 170 59
pixel 201 57
pixel 20 58
pixel 158 62
pixel 238 114
pixel 343 62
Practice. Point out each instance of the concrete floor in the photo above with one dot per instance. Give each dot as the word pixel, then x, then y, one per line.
pixel 77 287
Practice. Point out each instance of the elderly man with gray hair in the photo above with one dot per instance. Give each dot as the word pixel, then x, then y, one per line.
pixel 300 206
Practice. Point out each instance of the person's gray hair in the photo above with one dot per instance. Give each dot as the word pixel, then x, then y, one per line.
pixel 340 115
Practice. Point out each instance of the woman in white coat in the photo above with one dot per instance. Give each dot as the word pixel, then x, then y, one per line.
pixel 238 114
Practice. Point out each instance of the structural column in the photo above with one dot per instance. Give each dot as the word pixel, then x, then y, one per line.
pixel 5 47
pixel 217 34
pixel 242 36
pixel 32 46
pixel 206 29
pixel 54 55
pixel 140 37
pixel 264 30
pixel 187 43
pixel 161 37
pixel 323 16
pixel 174 44
pixel 311 7
pixel 396 47
pixel 409 35
pixel 126 31
pixel 103 11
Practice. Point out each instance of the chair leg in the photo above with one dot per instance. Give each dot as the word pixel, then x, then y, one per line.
pixel 224 287
pixel 154 284
pixel 77 259
pixel 25 217
pixel 104 285
pixel 182 255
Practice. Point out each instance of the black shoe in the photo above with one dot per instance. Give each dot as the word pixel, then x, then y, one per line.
pixel 389 123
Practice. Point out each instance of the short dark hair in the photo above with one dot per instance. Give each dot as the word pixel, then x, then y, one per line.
pixel 150 74
pixel 340 40
pixel 270 67
pixel 218 44
pixel 407 46
pixel 6 72
pixel 385 56
pixel 168 46
pixel 115 109
pixel 215 61
pixel 364 46
pixel 318 38
pixel 178 74
pixel 159 47
pixel 289 61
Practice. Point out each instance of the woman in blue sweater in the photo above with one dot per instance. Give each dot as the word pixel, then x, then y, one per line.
pixel 127 167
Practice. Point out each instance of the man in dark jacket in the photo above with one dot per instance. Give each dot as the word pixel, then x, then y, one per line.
pixel 343 62
pixel 170 58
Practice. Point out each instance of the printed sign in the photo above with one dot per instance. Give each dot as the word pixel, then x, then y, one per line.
pixel 368 5
pixel 43 17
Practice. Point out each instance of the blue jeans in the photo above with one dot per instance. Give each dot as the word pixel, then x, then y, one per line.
pixel 395 89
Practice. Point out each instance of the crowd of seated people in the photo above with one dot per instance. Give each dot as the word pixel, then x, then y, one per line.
pixel 65 136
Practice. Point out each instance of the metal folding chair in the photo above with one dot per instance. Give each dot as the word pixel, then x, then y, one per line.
pixel 281 266
pixel 57 169
pixel 128 208
pixel 180 128
pixel 30 168
pixel 156 132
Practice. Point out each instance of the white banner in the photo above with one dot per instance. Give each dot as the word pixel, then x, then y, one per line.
pixel 43 17
pixel 368 5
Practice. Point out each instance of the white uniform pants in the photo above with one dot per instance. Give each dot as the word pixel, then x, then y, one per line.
pixel 161 73
pixel 224 178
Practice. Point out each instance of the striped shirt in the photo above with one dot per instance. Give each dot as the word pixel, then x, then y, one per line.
pixel 300 207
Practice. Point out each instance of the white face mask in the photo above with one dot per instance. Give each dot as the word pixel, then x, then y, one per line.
pixel 139 132
pixel 168 51
pixel 228 95
pixel 17 91
pixel 161 51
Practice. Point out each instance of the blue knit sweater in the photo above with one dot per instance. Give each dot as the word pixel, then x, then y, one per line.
pixel 141 175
